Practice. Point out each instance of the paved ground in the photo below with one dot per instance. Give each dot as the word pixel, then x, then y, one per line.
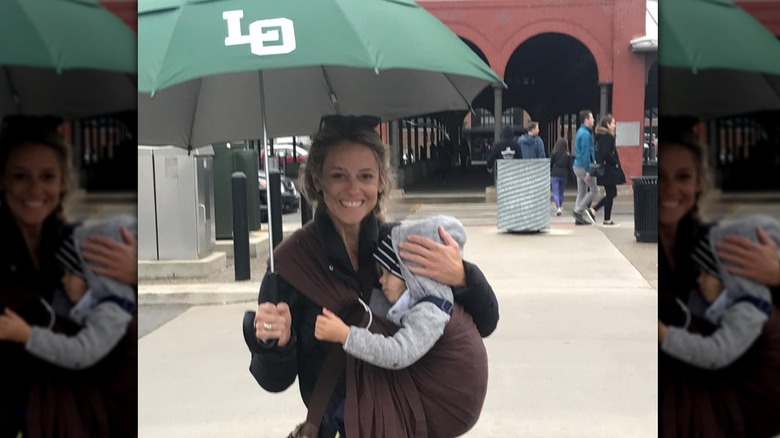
pixel 574 353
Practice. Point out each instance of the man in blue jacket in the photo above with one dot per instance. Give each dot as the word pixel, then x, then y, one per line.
pixel 583 156
pixel 530 144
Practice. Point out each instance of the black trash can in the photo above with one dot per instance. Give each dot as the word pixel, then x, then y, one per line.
pixel 645 208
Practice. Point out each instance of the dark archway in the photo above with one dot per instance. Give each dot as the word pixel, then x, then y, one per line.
pixel 551 74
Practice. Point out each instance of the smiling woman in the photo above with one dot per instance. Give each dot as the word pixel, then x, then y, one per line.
pixel 693 401
pixel 38 395
pixel 329 264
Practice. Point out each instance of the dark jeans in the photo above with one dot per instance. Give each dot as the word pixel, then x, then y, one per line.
pixel 606 201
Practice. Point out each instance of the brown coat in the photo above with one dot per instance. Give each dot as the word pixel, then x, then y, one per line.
pixel 441 395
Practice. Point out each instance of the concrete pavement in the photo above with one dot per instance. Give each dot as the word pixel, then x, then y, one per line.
pixel 574 353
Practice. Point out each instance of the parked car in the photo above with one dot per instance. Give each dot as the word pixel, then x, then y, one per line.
pixel 284 152
pixel 291 199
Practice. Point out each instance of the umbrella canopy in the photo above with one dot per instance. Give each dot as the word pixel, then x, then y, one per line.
pixel 71 58
pixel 716 60
pixel 206 67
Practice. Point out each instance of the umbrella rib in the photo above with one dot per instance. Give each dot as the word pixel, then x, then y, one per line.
pixel 471 110
pixel 14 92
pixel 332 94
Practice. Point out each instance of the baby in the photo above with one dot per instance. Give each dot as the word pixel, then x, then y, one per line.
pixel 421 306
pixel 737 306
pixel 102 307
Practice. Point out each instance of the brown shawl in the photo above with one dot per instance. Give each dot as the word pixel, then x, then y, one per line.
pixel 441 395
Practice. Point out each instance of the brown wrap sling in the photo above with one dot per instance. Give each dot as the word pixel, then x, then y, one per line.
pixel 441 395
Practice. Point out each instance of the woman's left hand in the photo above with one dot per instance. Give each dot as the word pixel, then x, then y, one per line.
pixel 756 261
pixel 439 262
pixel 113 259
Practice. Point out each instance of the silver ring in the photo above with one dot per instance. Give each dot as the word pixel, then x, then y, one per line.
pixel 267 327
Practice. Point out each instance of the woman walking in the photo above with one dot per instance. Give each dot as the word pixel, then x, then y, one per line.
pixel 606 155
pixel 560 160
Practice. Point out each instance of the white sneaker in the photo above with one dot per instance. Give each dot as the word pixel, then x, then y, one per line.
pixel 610 224
pixel 559 212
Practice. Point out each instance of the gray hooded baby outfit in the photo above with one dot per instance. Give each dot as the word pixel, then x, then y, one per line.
pixel 422 311
pixel 739 312
pixel 103 313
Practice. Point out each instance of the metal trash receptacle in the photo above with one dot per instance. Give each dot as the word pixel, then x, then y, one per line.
pixel 645 208
pixel 523 195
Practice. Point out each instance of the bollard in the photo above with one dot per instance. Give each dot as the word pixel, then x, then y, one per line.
pixel 306 214
pixel 275 206
pixel 240 227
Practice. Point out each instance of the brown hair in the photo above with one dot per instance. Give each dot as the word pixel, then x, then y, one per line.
pixel 561 146
pixel 11 140
pixel 325 140
pixel 605 121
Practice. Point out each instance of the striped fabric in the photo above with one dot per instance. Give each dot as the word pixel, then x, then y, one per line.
pixel 69 258
pixel 704 257
pixel 523 194
pixel 385 255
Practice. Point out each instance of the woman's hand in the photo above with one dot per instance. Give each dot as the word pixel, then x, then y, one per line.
pixel 13 327
pixel 272 321
pixel 756 261
pixel 330 328
pixel 439 262
pixel 113 259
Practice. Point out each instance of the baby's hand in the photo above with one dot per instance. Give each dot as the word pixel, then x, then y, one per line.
pixel 662 329
pixel 13 327
pixel 330 328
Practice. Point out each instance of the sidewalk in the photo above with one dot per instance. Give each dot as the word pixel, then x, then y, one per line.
pixel 221 287
pixel 570 301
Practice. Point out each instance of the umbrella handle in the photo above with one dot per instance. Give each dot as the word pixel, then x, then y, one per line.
pixel 273 297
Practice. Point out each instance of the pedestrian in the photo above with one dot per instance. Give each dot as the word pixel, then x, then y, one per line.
pixel 583 157
pixel 560 160
pixel 506 142
pixel 35 179
pixel 531 145
pixel 607 157
pixel 104 310
pixel 465 154
pixel 729 401
pixel 444 160
pixel 329 263
pixel 421 308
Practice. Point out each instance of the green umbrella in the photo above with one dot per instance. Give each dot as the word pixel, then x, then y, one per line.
pixel 206 67
pixel 716 60
pixel 71 58
pixel 220 70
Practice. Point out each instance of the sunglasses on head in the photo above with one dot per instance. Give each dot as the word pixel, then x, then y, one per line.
pixel 349 122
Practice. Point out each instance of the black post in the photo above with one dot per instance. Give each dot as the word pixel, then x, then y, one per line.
pixel 240 227
pixel 275 206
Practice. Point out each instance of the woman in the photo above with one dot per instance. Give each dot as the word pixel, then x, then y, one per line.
pixel 606 154
pixel 693 402
pixel 347 177
pixel 560 160
pixel 35 178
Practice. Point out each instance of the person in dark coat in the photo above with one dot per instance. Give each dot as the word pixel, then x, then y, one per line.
pixel 560 161
pixel 35 178
pixel 734 401
pixel 607 156
pixel 347 178
pixel 506 141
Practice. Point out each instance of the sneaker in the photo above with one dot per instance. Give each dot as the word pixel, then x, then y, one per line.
pixel 579 219
pixel 559 212
pixel 610 224
pixel 588 216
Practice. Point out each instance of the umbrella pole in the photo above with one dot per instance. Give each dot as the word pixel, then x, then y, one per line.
pixel 274 294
